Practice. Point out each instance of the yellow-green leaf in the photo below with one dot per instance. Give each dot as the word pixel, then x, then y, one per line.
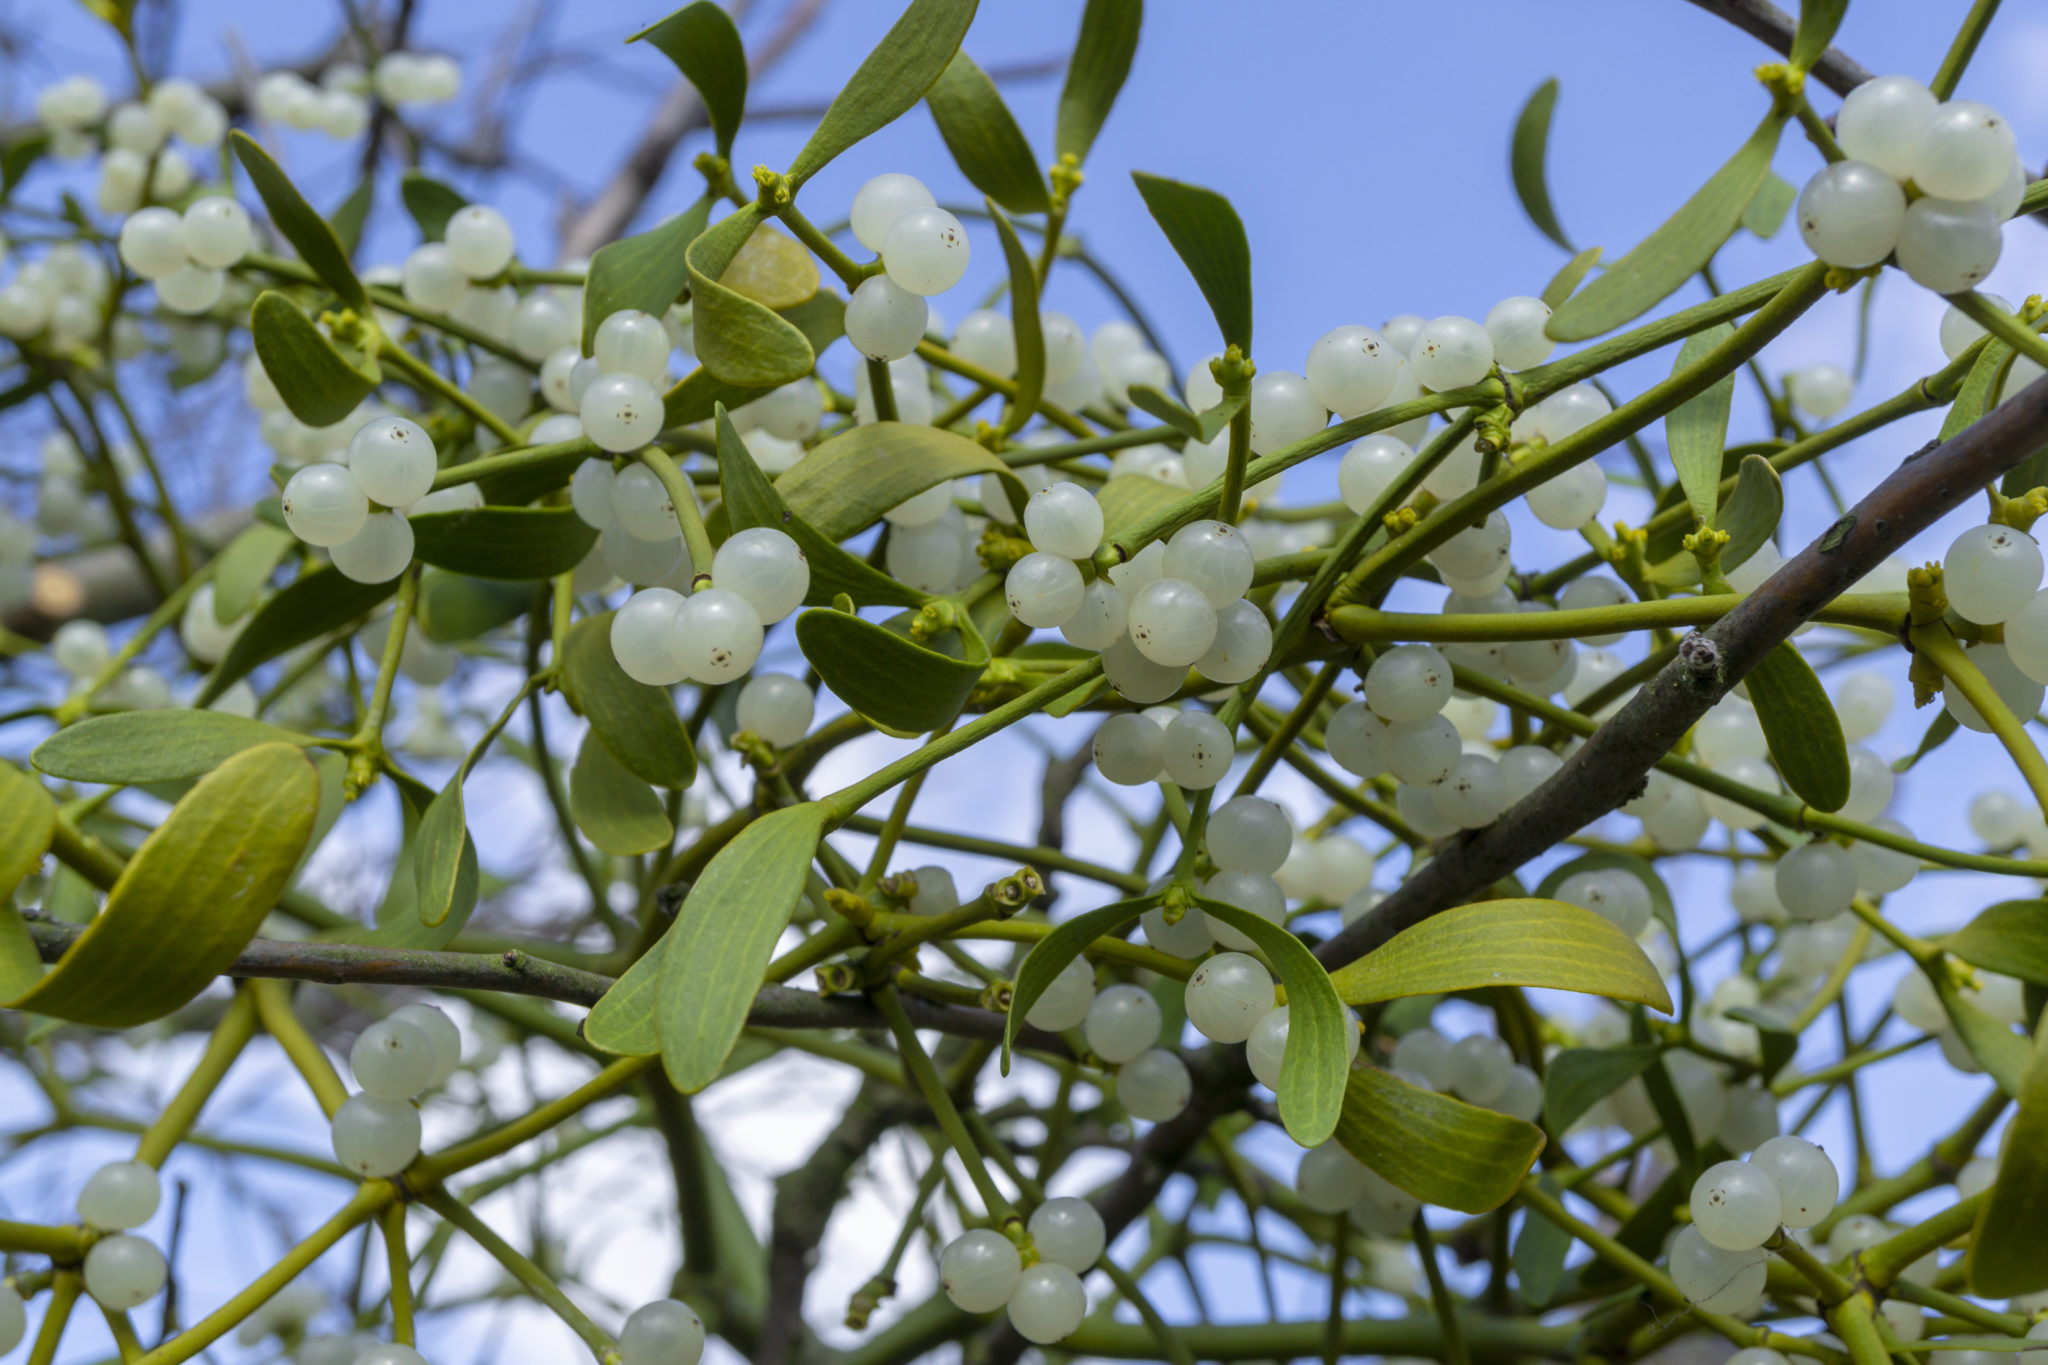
pixel 1752 511
pixel 1818 20
pixel 312 605
pixel 637 722
pixel 1128 499
pixel 191 897
pixel 295 218
pixel 1568 276
pixel 845 485
pixel 893 78
pixel 317 382
pixel 1050 955
pixel 1442 1151
pixel 773 269
pixel 615 810
pixel 1766 213
pixel 1527 156
pixel 1316 1061
pixel 1208 236
pixel 28 819
pixel 750 500
pixel 1025 326
pixel 2008 1255
pixel 1095 73
pixel 1800 723
pixel 738 339
pixel 1697 429
pixel 985 141
pixel 244 566
pixel 129 747
pixel 2001 1052
pixel 645 272
pixel 511 543
pixel 623 1020
pixel 1506 943
pixel 1678 249
pixel 1578 1078
pixel 444 858
pixel 886 676
pixel 2010 937
pixel 704 44
pixel 724 936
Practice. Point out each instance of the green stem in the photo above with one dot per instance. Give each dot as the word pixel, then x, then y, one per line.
pixel 1440 1295
pixel 125 1342
pixel 398 1266
pixel 427 379
pixel 61 1245
pixel 387 666
pixel 390 299
pixel 1855 1322
pixel 531 1277
pixel 167 611
pixel 881 389
pixel 180 543
pixel 1960 51
pixel 919 1064
pixel 1945 653
pixel 1046 859
pixel 844 802
pixel 365 1204
pixel 938 357
pixel 1227 502
pixel 64 1294
pixel 2002 324
pixel 1831 1287
pixel 696 539
pixel 429 1170
pixel 274 1009
pixel 567 454
pixel 849 271
pixel 229 1037
pixel 1881 612
pixel 1884 1262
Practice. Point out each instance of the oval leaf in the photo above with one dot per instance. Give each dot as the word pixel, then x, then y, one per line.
pixel 1800 722
pixel 130 747
pixel 845 485
pixel 2008 1255
pixel 773 269
pixel 724 936
pixel 1506 943
pixel 444 859
pixel 1818 20
pixel 1677 250
pixel 737 339
pixel 636 721
pixel 28 820
pixel 312 605
pixel 316 381
pixel 1766 213
pixel 1208 236
pixel 511 543
pixel 645 272
pixel 705 46
pixel 887 677
pixel 2010 937
pixel 1025 327
pixel 985 141
pixel 750 500
pixel 430 203
pixel 1442 1151
pixel 1050 955
pixel 1315 1063
pixel 895 76
pixel 242 569
pixel 1095 74
pixel 1567 279
pixel 398 917
pixel 623 1020
pixel 1697 429
pixel 306 230
pixel 1752 512
pixel 1578 1078
pixel 2002 1053
pixel 615 810
pixel 1527 156
pixel 191 897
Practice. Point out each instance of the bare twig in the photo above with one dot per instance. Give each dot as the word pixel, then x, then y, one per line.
pixel 1610 767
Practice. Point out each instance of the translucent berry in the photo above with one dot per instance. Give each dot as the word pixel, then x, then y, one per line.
pixel 1154 1085
pixel 1188 939
pixel 1171 622
pixel 378 552
pixel 120 1195
pixel 1228 995
pixel 979 1270
pixel 719 635
pixel 431 279
pixel 152 243
pixel 1350 370
pixel 1356 739
pixel 925 251
pixel 479 241
pixel 1044 590
pixel 1850 214
pixel 590 493
pixel 376 1137
pixel 1715 1280
pixel 664 1332
pixel 392 460
pixel 1735 1205
pixel 1212 555
pixel 1806 1180
pixel 1816 881
pixel 1067 1002
pixel 1127 750
pixel 1068 1232
pixel 1990 573
pixel 881 201
pixel 620 412
pixel 646 640
pixel 1243 644
pixel 1450 352
pixel 1048 1303
pixel 441 1033
pixel 1881 122
pixel 631 342
pixel 1249 833
pixel 122 1272
pixel 1099 622
pixel 1478 1067
pixel 1948 245
pixel 1422 752
pixel 392 1060
pixel 1369 468
pixel 1515 327
pixel 1122 1022
pixel 1963 152
pixel 1329 1178
pixel 767 568
pixel 776 707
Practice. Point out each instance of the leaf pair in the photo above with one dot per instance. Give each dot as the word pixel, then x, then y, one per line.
pixel 635 743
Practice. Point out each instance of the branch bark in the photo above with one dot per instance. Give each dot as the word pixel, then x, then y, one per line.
pixel 1762 20
pixel 1612 763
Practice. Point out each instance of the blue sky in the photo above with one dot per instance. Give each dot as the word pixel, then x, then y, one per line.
pixel 1365 146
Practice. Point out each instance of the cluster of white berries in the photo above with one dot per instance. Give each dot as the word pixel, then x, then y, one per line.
pixel 1959 158
pixel 982 1270
pixel 185 255
pixel 1478 1068
pixel 122 1270
pixel 376 1132
pixel 136 163
pixel 714 634
pixel 923 250
pixel 1718 1260
pixel 391 464
pixel 477 245
pixel 1121 1023
pixel 65 293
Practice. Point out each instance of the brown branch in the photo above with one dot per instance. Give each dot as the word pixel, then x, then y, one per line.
pixel 1611 765
pixel 1762 20
pixel 513 972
